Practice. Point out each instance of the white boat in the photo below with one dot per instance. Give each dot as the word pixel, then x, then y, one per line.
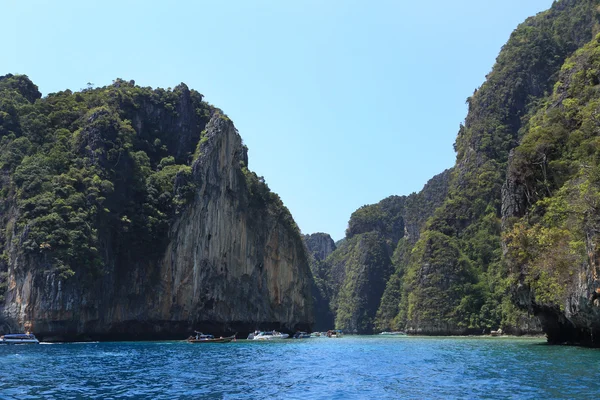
pixel 394 333
pixel 19 338
pixel 269 335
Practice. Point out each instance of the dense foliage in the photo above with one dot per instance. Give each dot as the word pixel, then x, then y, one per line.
pixel 367 269
pixel 92 182
pixel 557 165
pixel 418 208
pixel 95 176
pixel 352 278
pixel 319 246
pixel 361 279
pixel 450 273
pixel 469 221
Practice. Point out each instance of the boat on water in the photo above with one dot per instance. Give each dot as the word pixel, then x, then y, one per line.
pixel 204 338
pixel 301 335
pixel 335 333
pixel 394 333
pixel 19 338
pixel 267 335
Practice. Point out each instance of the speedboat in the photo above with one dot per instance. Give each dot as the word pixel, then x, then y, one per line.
pixel 269 335
pixel 204 338
pixel 394 333
pixel 19 338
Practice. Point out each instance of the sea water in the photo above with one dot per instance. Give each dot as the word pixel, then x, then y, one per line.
pixel 352 367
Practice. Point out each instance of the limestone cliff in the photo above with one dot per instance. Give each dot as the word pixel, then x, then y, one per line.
pixel 216 251
pixel 320 246
pixel 230 261
pixel 418 208
pixel 458 280
pixel 454 264
pixel 550 207
pixel 361 279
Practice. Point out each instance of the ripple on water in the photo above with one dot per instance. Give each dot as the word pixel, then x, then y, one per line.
pixel 352 367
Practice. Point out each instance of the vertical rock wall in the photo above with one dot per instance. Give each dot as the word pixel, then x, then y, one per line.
pixel 230 265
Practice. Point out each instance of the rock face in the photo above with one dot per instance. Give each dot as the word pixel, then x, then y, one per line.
pixel 418 208
pixel 229 262
pixel 359 268
pixel 232 259
pixel 517 217
pixel 361 280
pixel 458 276
pixel 550 208
pixel 320 246
pixel 421 206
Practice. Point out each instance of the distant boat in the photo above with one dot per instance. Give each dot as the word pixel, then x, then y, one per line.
pixel 268 335
pixel 19 338
pixel 335 333
pixel 203 338
pixel 394 333
pixel 301 335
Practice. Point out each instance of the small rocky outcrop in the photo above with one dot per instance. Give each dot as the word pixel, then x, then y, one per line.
pixel 320 245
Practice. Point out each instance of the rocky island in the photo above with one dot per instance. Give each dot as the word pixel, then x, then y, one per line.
pixel 130 213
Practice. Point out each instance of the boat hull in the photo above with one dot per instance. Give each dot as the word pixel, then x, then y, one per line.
pixel 18 338
pixel 272 337
pixel 28 341
pixel 192 339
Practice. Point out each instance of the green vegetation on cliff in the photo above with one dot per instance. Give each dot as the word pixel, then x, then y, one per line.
pixel 354 276
pixel 473 280
pixel 129 212
pixel 103 165
pixel 96 177
pixel 362 278
pixel 557 169
pixel 526 164
pixel 319 246
pixel 367 268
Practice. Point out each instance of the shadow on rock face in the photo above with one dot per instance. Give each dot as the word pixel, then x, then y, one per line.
pixel 8 325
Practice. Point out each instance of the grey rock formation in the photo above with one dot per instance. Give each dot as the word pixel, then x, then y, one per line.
pixel 361 280
pixel 420 206
pixel 319 245
pixel 231 264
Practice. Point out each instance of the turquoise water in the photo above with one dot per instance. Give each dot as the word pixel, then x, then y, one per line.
pixel 353 367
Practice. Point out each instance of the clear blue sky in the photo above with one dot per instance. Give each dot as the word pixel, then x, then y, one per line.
pixel 341 103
